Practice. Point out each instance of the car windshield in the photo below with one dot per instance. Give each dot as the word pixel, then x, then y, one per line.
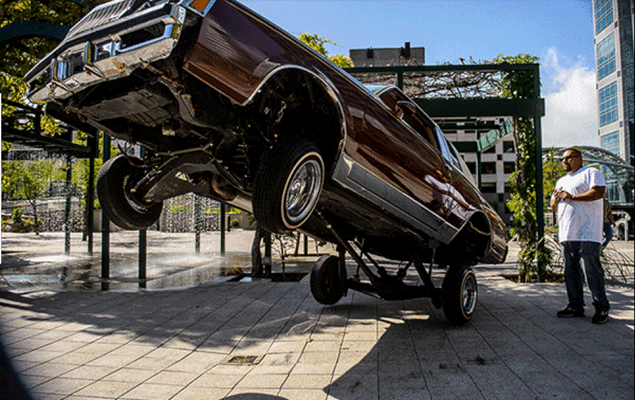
pixel 374 89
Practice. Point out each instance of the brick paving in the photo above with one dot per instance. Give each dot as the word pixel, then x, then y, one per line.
pixel 178 343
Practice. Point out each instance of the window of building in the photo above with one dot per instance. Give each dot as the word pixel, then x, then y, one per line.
pixel 603 14
pixel 508 147
pixel 607 97
pixel 611 142
pixel 606 57
pixel 488 168
pixel 472 167
pixel 488 187
pixel 509 167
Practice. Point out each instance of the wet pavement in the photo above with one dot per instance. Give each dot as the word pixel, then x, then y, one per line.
pixel 211 337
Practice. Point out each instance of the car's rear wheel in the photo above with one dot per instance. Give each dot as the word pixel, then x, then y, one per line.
pixel 288 185
pixel 460 294
pixel 115 181
pixel 327 286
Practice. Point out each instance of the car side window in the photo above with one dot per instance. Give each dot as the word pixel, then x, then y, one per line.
pixel 417 123
pixel 449 153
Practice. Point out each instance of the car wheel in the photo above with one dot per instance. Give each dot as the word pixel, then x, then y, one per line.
pixel 288 185
pixel 114 183
pixel 327 286
pixel 460 294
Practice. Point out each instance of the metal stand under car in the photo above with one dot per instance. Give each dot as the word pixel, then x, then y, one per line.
pixel 329 282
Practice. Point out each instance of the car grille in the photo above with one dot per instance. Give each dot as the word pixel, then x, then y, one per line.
pixel 101 15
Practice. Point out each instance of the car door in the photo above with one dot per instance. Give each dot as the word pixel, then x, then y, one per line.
pixel 398 158
pixel 461 190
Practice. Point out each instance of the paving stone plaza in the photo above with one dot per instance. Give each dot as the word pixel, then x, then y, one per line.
pixel 258 339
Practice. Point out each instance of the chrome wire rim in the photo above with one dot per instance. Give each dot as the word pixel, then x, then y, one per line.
pixel 469 295
pixel 303 190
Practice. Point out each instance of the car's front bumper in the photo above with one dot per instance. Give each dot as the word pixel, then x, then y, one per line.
pixel 104 46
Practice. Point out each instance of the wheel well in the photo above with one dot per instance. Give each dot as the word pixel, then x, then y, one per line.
pixel 474 238
pixel 297 102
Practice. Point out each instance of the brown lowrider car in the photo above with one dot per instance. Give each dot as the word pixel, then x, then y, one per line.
pixel 230 106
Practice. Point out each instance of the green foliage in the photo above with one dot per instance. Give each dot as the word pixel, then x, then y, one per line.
pixel 228 211
pixel 520 85
pixel 29 183
pixel 551 171
pixel 22 180
pixel 16 214
pixel 17 223
pixel 179 208
pixel 318 43
pixel 19 55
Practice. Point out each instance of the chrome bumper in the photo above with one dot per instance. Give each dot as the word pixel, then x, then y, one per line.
pixel 104 53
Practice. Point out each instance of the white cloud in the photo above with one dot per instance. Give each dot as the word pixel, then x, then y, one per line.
pixel 570 102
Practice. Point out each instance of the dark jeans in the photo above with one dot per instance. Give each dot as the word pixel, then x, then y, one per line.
pixel 589 254
pixel 608 233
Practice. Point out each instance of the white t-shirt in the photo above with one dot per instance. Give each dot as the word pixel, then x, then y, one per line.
pixel 580 220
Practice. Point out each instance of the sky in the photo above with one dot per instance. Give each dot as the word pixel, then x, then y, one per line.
pixel 560 32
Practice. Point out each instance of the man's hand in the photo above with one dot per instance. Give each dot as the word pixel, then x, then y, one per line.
pixel 595 193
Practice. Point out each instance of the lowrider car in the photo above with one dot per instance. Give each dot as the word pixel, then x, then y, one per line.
pixel 229 106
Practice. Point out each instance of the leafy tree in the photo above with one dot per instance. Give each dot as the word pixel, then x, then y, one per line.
pixel 30 183
pixel 19 55
pixel 317 43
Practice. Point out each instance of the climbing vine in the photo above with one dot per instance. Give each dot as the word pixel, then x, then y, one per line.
pixel 533 258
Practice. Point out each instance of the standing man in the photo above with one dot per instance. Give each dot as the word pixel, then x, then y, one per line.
pixel 578 201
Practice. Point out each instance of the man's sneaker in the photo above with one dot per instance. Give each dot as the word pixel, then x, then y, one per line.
pixel 600 317
pixel 570 312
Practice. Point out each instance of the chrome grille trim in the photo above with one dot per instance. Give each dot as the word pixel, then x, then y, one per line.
pixel 101 15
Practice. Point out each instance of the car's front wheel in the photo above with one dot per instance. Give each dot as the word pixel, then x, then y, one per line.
pixel 288 185
pixel 115 183
pixel 460 294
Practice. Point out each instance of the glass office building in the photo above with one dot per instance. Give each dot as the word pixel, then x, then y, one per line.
pixel 613 24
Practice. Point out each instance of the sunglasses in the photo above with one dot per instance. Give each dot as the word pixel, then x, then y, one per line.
pixel 569 157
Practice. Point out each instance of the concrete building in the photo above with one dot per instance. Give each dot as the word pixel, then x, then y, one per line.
pixel 497 164
pixel 613 24
pixel 383 57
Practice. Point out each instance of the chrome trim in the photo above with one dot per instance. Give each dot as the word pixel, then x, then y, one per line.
pixel 366 184
pixel 101 15
pixel 106 59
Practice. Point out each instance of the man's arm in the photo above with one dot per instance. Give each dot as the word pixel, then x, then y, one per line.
pixel 595 193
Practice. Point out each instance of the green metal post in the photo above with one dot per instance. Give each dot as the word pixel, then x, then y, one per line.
pixel 105 224
pixel 90 203
pixel 197 223
pixel 267 259
pixel 143 257
pixel 478 165
pixel 540 206
pixel 67 209
pixel 222 229
pixel 143 246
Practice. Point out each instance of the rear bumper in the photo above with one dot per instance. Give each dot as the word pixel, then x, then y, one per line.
pixel 106 52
